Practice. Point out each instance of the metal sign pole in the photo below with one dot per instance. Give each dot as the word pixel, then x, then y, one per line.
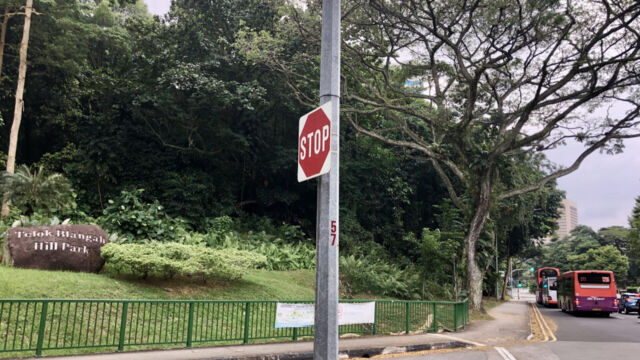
pixel 325 342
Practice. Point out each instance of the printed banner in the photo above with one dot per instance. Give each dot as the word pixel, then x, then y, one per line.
pixel 294 315
pixel 302 315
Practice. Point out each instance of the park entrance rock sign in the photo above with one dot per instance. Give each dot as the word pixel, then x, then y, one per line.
pixel 314 143
pixel 60 247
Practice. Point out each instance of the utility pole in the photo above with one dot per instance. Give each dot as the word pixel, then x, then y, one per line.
pixel 495 237
pixel 325 341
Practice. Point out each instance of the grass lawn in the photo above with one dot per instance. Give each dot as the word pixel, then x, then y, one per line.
pixel 255 285
pixel 227 319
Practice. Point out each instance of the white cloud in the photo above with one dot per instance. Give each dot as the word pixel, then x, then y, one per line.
pixel 158 7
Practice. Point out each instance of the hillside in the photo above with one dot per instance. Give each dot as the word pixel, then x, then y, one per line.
pixel 256 284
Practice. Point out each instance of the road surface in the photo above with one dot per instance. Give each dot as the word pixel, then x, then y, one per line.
pixel 584 337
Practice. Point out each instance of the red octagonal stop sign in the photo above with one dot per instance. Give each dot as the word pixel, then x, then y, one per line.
pixel 314 143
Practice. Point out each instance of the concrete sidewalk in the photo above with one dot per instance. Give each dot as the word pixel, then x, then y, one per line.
pixel 511 322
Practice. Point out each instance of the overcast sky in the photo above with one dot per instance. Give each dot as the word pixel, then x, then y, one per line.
pixel 604 187
pixel 158 7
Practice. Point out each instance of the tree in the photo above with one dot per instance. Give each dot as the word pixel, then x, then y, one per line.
pixel 102 14
pixel 494 79
pixel 521 220
pixel 3 28
pixel 634 241
pixel 617 236
pixel 19 105
pixel 570 252
pixel 634 223
pixel 603 258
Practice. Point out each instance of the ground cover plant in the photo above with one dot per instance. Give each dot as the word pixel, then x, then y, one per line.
pixel 168 260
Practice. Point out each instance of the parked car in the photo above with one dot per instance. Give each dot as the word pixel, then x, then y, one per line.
pixel 628 302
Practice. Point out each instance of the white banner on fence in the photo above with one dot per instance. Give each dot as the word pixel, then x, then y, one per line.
pixel 357 313
pixel 294 315
pixel 302 315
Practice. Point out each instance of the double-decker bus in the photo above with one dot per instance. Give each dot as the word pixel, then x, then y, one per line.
pixel 550 291
pixel 587 290
pixel 543 273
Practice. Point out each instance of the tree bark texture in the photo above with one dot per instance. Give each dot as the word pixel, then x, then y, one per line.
pixel 507 276
pixel 19 106
pixel 474 273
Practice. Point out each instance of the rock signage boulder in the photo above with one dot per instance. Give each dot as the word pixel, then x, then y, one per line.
pixel 60 247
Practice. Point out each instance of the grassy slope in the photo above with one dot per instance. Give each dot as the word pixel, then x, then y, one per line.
pixel 256 284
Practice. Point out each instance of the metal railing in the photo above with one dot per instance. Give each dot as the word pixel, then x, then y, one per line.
pixel 38 325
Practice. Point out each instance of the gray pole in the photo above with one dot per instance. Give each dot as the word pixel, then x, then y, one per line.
pixel 325 341
pixel 497 270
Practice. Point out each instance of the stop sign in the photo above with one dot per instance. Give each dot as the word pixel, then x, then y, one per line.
pixel 314 143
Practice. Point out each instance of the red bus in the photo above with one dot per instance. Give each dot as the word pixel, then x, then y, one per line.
pixel 587 290
pixel 544 273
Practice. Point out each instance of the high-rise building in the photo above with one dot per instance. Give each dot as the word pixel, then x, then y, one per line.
pixel 568 218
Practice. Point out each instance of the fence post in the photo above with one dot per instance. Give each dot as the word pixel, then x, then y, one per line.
pixel 375 318
pixel 466 312
pixel 435 317
pixel 190 325
pixel 43 323
pixel 123 325
pixel 455 317
pixel 246 322
pixel 406 318
pixel 295 334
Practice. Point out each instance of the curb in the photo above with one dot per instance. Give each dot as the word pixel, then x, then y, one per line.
pixel 353 353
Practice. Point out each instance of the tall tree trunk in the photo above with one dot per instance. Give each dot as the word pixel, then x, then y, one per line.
pixel 3 34
pixel 474 273
pixel 455 279
pixel 17 111
pixel 507 276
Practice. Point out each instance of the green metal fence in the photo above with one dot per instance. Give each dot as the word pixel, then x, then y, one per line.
pixel 38 325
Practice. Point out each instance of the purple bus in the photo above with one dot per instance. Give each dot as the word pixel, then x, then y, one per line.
pixel 587 290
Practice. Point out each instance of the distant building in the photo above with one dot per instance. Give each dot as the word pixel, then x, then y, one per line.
pixel 568 219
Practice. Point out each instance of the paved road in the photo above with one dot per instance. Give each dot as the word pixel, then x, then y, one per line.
pixel 590 328
pixel 584 337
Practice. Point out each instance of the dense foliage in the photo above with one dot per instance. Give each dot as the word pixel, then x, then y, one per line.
pixel 586 249
pixel 186 107
pixel 171 259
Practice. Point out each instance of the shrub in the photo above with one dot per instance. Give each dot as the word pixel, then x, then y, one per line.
pixel 373 276
pixel 280 255
pixel 138 221
pixel 167 260
pixel 32 190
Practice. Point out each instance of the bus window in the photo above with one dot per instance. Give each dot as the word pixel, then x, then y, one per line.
pixel 554 286
pixel 548 273
pixel 594 278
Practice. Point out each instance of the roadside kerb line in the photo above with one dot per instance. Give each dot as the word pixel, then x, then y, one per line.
pixel 459 339
pixel 504 353
pixel 530 325
pixel 539 321
pixel 544 326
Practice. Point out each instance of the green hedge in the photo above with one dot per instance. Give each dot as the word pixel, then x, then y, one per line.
pixel 167 260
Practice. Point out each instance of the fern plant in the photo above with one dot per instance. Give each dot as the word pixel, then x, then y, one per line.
pixel 34 191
